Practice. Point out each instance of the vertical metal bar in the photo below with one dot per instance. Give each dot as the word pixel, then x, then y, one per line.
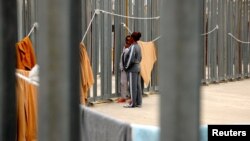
pixel 141 22
pixel 180 91
pixel 229 41
pixel 140 26
pixel 225 44
pixel 74 63
pixel 155 33
pixel 241 38
pixel 126 10
pixel 204 40
pixel 89 8
pixel 136 14
pixel 244 68
pixel 209 42
pixel 59 37
pixel 149 27
pixel 1 73
pixel 86 18
pixel 131 22
pixel 248 35
pixel 118 46
pixel 236 44
pixel 124 33
pixel 89 11
pixel 245 46
pixel 33 12
pixel 205 46
pixel 99 44
pixel 241 46
pixel 29 24
pixel 233 42
pixel 95 49
pixel 212 43
pixel 20 19
pixel 246 38
pixel 87 15
pixel 144 22
pixel 102 52
pixel 26 17
pixel 220 41
pixel 107 50
pixel 8 39
pixel 228 29
pixel 242 29
pixel 247 29
pixel 213 40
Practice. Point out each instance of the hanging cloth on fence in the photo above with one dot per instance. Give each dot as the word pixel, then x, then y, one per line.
pixel 25 54
pixel 148 60
pixel 87 78
pixel 26 94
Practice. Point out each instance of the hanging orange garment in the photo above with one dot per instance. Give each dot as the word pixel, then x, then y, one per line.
pixel 26 109
pixel 148 60
pixel 21 106
pixel 25 54
pixel 86 73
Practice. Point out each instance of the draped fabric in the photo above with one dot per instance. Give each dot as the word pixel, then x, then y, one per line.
pixel 26 109
pixel 26 93
pixel 148 59
pixel 87 78
pixel 99 127
pixel 25 54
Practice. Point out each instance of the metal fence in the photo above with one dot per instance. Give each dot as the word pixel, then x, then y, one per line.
pixel 226 40
pixel 106 37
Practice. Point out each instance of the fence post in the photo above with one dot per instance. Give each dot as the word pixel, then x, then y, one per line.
pixel 107 51
pixel 179 50
pixel 155 33
pixel 95 47
pixel 59 98
pixel 8 39
pixel 118 46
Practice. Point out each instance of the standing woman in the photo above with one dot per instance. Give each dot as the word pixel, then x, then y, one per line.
pixel 124 81
pixel 132 67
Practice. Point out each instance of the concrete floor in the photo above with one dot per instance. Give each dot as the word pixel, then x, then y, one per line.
pixel 226 103
pixel 222 103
